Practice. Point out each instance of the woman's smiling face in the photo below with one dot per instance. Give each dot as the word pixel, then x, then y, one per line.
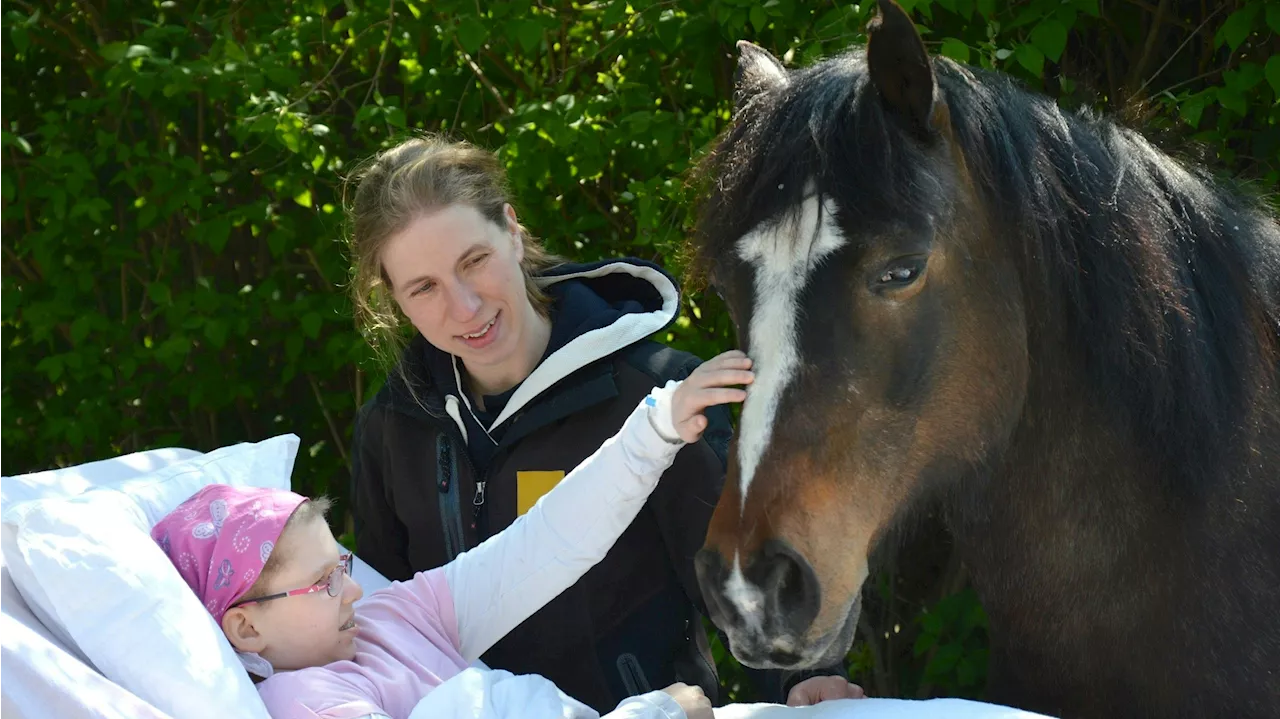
pixel 457 277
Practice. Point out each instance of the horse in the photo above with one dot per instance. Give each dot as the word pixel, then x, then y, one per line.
pixel 959 295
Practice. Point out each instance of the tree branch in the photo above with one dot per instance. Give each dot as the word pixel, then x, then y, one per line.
pixel 22 266
pixel 1149 45
pixel 92 58
pixel 1168 20
pixel 484 80
pixel 328 418
pixel 382 57
pixel 1188 39
pixel 94 19
pixel 512 75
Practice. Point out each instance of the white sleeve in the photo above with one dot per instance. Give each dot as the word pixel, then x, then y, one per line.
pixel 497 694
pixel 654 705
pixel 500 583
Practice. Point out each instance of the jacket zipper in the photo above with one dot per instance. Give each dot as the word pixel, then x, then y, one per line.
pixel 478 509
pixel 477 501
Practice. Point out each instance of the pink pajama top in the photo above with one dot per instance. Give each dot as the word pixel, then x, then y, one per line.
pixel 418 634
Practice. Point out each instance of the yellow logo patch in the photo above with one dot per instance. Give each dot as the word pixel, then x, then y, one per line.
pixel 532 485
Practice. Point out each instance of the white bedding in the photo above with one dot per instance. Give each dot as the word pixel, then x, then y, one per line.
pixel 46 677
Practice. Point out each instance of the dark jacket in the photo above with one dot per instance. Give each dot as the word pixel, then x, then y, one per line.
pixel 432 478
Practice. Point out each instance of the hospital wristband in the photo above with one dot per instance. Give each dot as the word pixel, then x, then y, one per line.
pixel 659 402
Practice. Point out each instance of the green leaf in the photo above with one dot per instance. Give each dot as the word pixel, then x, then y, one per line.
pixel 311 325
pixel 18 141
pixel 282 75
pixel 527 33
pixel 172 351
pixel 931 622
pixel 80 329
pixel 136 51
pixel 1273 17
pixel 219 176
pixel 955 49
pixel 1030 57
pixel 1238 25
pixel 18 36
pixel 51 366
pixel 759 20
pixel 113 52
pixel 303 198
pixel 1272 71
pixel 472 34
pixel 967 672
pixel 1232 100
pixel 1246 77
pixel 216 232
pixel 159 294
pixel 614 13
pixel 987 9
pixel 1050 37
pixel 944 660
pixel 974 614
pixel 924 642
pixel 215 331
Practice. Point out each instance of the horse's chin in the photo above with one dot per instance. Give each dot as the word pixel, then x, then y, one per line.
pixel 828 649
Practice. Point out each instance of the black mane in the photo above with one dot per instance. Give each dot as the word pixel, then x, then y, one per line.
pixel 1164 281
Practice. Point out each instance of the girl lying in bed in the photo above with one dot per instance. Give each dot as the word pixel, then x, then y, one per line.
pixel 268 569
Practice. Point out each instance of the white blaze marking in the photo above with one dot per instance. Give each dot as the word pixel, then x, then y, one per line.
pixel 784 254
pixel 746 597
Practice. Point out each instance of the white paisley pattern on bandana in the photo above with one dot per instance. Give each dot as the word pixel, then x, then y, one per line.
pixel 264 551
pixel 240 542
pixel 218 515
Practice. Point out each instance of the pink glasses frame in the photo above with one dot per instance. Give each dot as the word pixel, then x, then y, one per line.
pixel 332 583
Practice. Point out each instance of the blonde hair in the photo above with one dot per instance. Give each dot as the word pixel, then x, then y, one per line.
pixel 399 185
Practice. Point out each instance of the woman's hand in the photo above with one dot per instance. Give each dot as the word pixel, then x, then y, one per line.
pixel 821 689
pixel 695 704
pixel 713 382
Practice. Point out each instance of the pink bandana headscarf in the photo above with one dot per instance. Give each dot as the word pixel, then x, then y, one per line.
pixel 222 536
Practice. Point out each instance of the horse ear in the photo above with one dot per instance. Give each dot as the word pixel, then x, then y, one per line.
pixel 758 71
pixel 900 67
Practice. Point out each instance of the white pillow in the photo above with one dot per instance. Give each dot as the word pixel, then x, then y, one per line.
pixel 70 481
pixel 90 570
pixel 112 589
pixel 161 479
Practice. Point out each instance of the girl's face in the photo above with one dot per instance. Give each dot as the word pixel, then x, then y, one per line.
pixel 457 277
pixel 308 630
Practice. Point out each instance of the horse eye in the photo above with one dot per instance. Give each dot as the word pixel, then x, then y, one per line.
pixel 900 273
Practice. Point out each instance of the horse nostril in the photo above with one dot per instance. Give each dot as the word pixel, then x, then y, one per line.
pixel 789 584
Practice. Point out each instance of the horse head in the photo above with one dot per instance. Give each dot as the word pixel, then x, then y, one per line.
pixel 887 328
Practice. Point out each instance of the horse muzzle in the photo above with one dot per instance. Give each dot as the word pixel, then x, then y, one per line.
pixel 768 604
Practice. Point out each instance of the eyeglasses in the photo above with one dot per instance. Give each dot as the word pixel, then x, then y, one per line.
pixel 332 583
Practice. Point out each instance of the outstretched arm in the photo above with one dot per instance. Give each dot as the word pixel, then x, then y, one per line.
pixel 507 578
